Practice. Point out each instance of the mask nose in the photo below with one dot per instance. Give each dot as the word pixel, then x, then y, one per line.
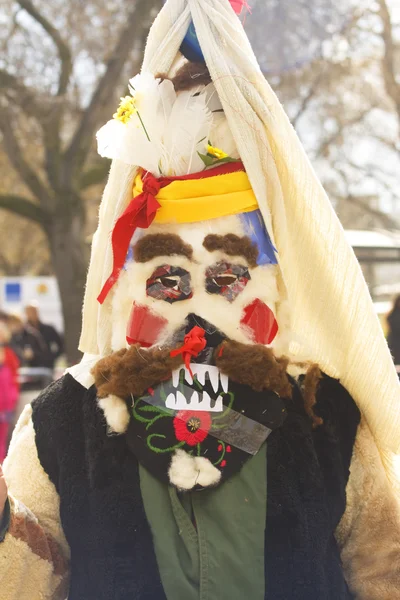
pixel 213 335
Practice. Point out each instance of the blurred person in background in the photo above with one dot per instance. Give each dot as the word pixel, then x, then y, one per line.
pixel 393 321
pixel 3 317
pixel 45 342
pixel 9 387
pixel 16 327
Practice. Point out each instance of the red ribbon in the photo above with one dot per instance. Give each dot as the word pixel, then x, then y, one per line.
pixel 141 212
pixel 194 343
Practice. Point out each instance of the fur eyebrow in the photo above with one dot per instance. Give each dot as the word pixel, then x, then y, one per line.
pixel 161 244
pixel 233 245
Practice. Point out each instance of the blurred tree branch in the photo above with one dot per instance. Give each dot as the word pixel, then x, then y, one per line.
pixel 28 254
pixel 342 125
pixel 17 159
pixel 23 208
pixel 386 220
pixel 98 107
pixel 308 98
pixel 388 63
pixel 23 96
pixel 95 175
pixel 64 52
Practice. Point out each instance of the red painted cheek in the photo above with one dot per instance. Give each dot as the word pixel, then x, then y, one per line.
pixel 144 326
pixel 261 322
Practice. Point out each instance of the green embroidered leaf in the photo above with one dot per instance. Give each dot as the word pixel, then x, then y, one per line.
pixel 226 411
pixel 157 418
pixel 207 160
pixel 163 395
pixel 197 383
pixel 223 450
pixel 149 408
pixel 161 450
pixel 228 159
pixel 139 418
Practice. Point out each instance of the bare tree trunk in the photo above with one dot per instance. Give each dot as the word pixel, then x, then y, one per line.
pixel 66 235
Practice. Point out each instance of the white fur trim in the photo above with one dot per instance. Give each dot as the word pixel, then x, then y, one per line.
pixel 116 413
pixel 82 371
pixel 187 471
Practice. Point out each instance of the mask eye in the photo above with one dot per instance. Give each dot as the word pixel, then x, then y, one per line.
pixel 169 283
pixel 225 280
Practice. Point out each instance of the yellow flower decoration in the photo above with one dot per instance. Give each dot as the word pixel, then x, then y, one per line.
pixel 220 154
pixel 126 109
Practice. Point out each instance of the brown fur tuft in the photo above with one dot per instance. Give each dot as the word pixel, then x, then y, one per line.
pixel 310 387
pixel 161 244
pixel 133 371
pixel 255 366
pixel 232 245
pixel 190 76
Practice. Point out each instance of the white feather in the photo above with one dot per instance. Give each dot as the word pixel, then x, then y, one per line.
pixel 168 130
pixel 220 134
pixel 187 134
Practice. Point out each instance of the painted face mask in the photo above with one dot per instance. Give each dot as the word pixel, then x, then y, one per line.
pixel 215 275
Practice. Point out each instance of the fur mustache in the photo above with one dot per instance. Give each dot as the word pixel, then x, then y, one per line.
pixel 131 372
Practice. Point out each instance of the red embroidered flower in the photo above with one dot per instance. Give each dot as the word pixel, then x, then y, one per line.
pixel 192 426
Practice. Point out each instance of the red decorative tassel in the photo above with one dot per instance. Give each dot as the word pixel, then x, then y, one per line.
pixel 140 213
pixel 194 343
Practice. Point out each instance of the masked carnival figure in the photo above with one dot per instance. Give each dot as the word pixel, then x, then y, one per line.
pixel 232 430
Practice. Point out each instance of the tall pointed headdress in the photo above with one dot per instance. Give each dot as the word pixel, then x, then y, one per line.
pixel 332 315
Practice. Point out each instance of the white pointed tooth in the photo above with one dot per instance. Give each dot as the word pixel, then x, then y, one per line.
pixel 200 371
pixel 213 375
pixel 206 401
pixel 224 381
pixel 170 401
pixel 188 376
pixel 181 402
pixel 194 401
pixel 219 405
pixel 205 404
pixel 175 377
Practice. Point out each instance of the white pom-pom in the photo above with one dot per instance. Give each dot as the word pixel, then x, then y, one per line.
pixel 116 413
pixel 208 474
pixel 187 471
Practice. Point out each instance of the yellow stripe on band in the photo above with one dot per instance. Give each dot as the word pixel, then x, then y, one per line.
pixel 193 200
